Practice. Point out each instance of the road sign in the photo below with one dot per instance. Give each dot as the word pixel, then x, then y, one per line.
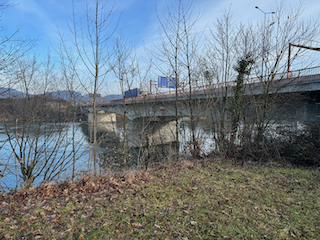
pixel 165 82
pixel 162 108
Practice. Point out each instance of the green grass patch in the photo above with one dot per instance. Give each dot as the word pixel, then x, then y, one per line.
pixel 205 200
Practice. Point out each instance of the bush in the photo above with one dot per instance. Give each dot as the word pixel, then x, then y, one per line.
pixel 297 147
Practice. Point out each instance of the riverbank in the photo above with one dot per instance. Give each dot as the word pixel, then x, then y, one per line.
pixel 39 109
pixel 190 200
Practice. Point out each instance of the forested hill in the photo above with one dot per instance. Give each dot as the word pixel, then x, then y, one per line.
pixel 64 95
pixel 39 108
pixel 54 106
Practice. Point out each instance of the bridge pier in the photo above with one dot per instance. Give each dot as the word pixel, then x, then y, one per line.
pixel 106 122
pixel 142 132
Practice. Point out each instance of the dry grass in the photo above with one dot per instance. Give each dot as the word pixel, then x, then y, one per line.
pixel 202 200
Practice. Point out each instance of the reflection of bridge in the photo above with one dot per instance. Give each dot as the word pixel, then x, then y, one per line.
pixel 161 108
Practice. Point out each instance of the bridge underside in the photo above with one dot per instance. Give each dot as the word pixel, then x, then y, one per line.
pixel 303 107
pixel 151 124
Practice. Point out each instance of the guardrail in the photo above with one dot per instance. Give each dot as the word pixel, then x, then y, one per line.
pixel 285 75
pixel 305 74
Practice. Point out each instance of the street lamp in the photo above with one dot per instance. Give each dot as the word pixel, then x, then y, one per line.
pixel 264 34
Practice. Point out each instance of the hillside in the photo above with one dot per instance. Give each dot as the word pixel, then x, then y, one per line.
pixel 63 94
pixel 38 108
pixel 10 93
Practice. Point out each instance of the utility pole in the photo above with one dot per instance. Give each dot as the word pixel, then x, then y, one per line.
pixel 264 36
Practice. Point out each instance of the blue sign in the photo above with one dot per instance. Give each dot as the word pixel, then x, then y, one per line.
pixel 165 82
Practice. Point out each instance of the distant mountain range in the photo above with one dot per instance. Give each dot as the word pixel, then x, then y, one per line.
pixel 11 93
pixel 65 95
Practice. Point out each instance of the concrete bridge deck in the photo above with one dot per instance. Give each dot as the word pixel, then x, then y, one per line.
pixel 297 83
pixel 163 104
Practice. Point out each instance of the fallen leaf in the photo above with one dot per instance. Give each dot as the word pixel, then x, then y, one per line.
pixel 225 213
pixel 292 234
pixel 157 226
pixel 135 224
pixel 7 236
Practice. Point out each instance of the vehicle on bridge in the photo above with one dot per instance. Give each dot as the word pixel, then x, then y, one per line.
pixel 136 92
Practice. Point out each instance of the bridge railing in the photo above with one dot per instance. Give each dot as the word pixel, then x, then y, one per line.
pixel 307 74
pixel 307 71
pixel 286 75
pixel 301 74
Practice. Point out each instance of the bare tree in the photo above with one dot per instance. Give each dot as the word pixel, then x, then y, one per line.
pixel 37 139
pixel 121 71
pixel 219 61
pixel 12 47
pixel 70 77
pixel 177 53
pixel 285 27
pixel 230 42
pixel 91 42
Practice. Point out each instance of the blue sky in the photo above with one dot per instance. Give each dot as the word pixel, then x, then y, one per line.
pixel 138 23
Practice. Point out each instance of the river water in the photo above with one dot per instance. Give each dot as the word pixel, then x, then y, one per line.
pixel 49 146
pixel 52 147
pixel 56 146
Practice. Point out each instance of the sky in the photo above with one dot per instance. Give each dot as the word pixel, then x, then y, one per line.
pixel 41 19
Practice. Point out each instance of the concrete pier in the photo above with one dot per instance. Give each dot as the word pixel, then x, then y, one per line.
pixel 106 122
pixel 142 133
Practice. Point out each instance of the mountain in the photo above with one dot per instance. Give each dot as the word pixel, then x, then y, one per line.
pixel 64 94
pixel 111 97
pixel 68 95
pixel 10 93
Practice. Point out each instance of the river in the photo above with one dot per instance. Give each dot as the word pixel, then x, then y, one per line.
pixel 62 151
pixel 47 147
pixel 66 146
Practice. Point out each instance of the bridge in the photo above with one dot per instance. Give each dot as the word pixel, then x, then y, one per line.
pixel 163 108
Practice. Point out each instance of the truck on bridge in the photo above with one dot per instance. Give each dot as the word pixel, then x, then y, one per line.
pixel 136 92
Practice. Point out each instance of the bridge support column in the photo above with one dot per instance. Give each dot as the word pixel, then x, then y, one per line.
pixel 142 132
pixel 106 122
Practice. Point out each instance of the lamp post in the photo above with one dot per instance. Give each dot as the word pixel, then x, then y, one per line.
pixel 264 35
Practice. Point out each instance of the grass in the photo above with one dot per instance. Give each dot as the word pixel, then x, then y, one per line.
pixel 202 200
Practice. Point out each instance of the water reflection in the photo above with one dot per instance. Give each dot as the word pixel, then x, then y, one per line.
pixel 69 145
pixel 136 147
pixel 43 151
